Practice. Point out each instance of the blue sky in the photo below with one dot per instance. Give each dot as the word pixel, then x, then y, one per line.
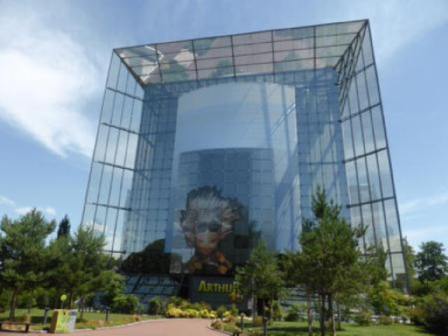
pixel 54 56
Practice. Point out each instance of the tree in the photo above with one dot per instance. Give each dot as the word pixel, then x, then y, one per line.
pixel 431 263
pixel 80 266
pixel 64 227
pixel 330 261
pixel 261 278
pixel 24 255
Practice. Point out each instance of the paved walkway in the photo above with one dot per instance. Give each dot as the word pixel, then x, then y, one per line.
pixel 163 327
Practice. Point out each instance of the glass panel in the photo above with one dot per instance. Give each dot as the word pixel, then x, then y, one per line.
pixel 132 149
pixel 369 141
pixel 392 226
pixel 123 77
pixel 115 187
pixel 89 213
pixel 118 107
pixel 374 177
pixel 353 97
pixel 101 143
pixel 357 136
pixel 398 263
pixel 99 223
pixel 94 183
pixel 294 44
pixel 127 112
pixel 126 188
pixel 252 38
pixel 112 77
pixel 339 28
pixel 348 143
pixel 121 149
pixel 362 178
pixel 111 145
pixel 254 68
pixel 352 182
pixel 372 85
pixel 378 127
pixel 251 59
pixel 386 179
pixel 262 48
pixel 136 116
pixel 203 45
pixel 367 48
pixel 367 220
pixel 362 90
pixel 108 105
pixel 378 219
pixel 110 226
pixel 294 33
pixel 105 185
pixel 291 55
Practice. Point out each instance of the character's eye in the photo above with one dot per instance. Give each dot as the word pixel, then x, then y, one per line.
pixel 201 227
pixel 211 227
pixel 214 227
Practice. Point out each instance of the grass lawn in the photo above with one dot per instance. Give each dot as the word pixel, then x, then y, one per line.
pixel 90 320
pixel 300 328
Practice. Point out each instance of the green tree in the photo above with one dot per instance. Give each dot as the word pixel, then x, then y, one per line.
pixel 80 266
pixel 431 263
pixel 330 261
pixel 64 227
pixel 260 279
pixel 24 256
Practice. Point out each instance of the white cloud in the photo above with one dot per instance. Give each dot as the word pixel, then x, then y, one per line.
pixel 6 201
pixel 395 23
pixel 414 206
pixel 46 79
pixel 22 210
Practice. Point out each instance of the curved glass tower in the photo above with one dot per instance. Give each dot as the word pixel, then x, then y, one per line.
pixel 205 146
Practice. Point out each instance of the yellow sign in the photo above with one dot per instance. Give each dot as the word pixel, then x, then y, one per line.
pixel 215 287
pixel 63 321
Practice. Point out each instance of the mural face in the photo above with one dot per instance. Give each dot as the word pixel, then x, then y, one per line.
pixel 208 219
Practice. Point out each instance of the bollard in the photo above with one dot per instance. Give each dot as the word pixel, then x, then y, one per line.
pixel 107 314
pixel 47 309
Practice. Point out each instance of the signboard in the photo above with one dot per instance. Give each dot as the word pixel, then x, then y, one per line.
pixel 213 290
pixel 63 321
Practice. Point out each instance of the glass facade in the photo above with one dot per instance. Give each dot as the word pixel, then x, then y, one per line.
pixel 208 145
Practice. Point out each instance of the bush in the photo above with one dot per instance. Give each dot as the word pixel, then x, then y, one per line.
pixel 217 324
pixel 433 311
pixel 258 321
pixel 363 318
pixel 155 306
pixel 220 311
pixel 277 311
pixel 293 313
pixel 385 320
pixel 125 303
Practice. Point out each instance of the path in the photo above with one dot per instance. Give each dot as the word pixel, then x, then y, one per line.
pixel 163 327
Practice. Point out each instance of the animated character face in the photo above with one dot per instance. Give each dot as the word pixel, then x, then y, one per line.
pixel 208 219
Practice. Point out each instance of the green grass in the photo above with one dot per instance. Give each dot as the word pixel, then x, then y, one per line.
pixel 300 328
pixel 90 320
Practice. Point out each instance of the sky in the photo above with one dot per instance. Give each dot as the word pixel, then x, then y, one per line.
pixel 54 56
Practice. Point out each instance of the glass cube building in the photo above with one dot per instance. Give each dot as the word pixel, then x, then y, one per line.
pixel 205 146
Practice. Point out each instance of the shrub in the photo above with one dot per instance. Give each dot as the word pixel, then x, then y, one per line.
pixel 258 321
pixel 125 303
pixel 155 306
pixel 385 320
pixel 293 313
pixel 174 312
pixel 434 311
pixel 277 311
pixel 234 310
pixel 217 324
pixel 220 311
pixel 363 318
